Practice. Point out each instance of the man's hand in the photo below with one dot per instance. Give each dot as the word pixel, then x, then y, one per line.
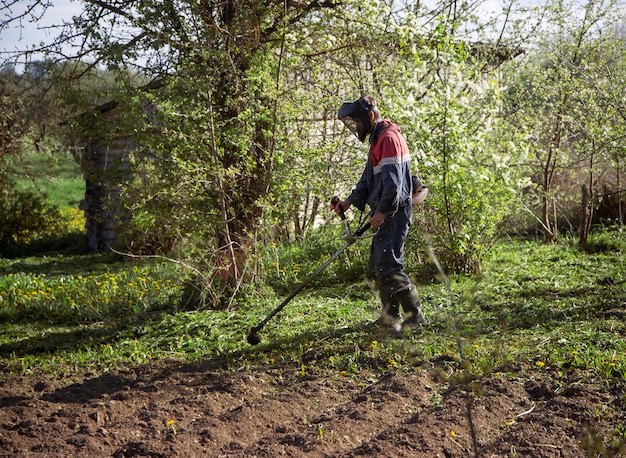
pixel 377 219
pixel 342 206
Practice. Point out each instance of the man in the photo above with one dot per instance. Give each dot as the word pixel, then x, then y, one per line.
pixel 386 186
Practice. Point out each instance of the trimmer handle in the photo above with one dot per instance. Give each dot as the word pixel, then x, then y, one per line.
pixel 334 203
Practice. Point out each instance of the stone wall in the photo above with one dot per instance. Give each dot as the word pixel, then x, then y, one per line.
pixel 104 168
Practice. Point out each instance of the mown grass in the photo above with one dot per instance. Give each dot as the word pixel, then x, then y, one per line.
pixel 549 309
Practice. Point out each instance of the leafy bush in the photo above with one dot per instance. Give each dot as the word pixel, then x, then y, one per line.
pixel 25 216
pixel 465 154
pixel 284 266
pixel 150 233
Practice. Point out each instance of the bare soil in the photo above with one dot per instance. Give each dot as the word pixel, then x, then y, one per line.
pixel 173 410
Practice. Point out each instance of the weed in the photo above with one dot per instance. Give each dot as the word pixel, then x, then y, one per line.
pixel 436 401
pixel 171 425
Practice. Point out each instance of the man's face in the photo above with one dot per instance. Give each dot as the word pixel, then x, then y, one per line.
pixel 363 129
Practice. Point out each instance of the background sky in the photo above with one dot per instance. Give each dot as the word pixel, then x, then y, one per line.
pixel 32 32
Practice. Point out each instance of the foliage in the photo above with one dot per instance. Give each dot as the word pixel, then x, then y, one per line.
pixel 283 267
pixel 462 152
pixel 39 181
pixel 11 128
pixel 224 158
pixel 54 174
pixel 24 216
pixel 537 310
pixel 470 167
pixel 236 142
pixel 447 107
pixel 210 132
pixel 237 151
pixel 52 297
pixel 230 137
pixel 40 200
pixel 59 230
pixel 563 96
pixel 29 113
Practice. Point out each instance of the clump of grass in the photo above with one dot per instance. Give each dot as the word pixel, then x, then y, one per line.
pixel 604 242
pixel 283 267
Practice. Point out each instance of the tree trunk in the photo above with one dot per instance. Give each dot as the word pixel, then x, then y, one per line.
pixel 586 206
pixel 583 231
pixel 620 214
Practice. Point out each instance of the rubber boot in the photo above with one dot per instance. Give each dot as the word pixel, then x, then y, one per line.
pixel 390 314
pixel 390 311
pixel 410 301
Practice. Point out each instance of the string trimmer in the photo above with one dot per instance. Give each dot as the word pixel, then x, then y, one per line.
pixel 254 338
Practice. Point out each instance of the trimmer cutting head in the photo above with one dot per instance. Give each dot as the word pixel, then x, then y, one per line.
pixel 254 338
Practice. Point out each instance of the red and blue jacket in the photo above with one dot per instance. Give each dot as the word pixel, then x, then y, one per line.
pixel 385 184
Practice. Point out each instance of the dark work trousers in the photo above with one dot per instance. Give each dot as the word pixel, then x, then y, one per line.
pixel 386 263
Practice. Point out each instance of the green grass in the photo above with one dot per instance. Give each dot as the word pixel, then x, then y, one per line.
pixel 57 176
pixel 548 309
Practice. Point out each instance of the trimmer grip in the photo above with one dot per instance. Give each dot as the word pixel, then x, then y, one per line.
pixel 362 230
pixel 334 202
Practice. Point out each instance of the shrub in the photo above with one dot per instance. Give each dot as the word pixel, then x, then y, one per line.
pixel 25 216
pixel 285 266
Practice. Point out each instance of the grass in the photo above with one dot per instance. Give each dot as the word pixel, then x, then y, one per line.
pixel 549 309
pixel 55 179
pixel 57 176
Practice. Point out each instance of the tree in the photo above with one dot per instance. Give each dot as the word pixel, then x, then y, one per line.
pixel 556 99
pixel 599 129
pixel 239 92
pixel 470 162
pixel 213 129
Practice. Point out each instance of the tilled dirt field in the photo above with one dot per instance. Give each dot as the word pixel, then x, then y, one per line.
pixel 168 410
